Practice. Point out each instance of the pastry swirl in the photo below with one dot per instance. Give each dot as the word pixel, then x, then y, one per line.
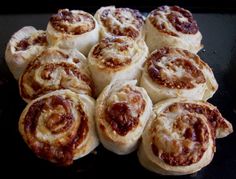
pixel 172 26
pixel 173 72
pixel 120 22
pixel 56 69
pixel 180 136
pixel 73 29
pixel 122 110
pixel 59 126
pixel 23 46
pixel 116 58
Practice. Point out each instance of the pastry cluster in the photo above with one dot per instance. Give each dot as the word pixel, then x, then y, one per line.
pixel 128 81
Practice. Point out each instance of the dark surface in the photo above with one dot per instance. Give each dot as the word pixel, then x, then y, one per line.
pixel 219 39
pixel 48 6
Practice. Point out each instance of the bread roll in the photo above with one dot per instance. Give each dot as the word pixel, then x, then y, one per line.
pixel 59 126
pixel 24 45
pixel 172 26
pixel 122 110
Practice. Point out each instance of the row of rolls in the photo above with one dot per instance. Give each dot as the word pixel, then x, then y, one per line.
pixel 95 78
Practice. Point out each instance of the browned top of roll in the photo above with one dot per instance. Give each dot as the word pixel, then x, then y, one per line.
pixel 163 66
pixel 72 22
pixel 60 120
pixel 123 116
pixel 113 52
pixel 183 141
pixel 180 19
pixel 124 16
pixel 24 44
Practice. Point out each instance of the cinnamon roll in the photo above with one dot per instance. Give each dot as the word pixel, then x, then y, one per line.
pixel 59 126
pixel 122 110
pixel 172 26
pixel 23 46
pixel 116 58
pixel 73 29
pixel 56 69
pixel 120 22
pixel 180 136
pixel 173 72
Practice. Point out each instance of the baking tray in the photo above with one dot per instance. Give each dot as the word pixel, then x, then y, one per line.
pixel 219 39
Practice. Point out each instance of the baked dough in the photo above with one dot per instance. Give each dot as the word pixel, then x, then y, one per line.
pixel 73 29
pixel 122 110
pixel 173 72
pixel 23 46
pixel 116 58
pixel 59 126
pixel 179 138
pixel 56 69
pixel 120 22
pixel 172 26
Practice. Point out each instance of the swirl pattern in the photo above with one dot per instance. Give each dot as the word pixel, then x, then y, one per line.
pixel 121 113
pixel 116 58
pixel 120 22
pixel 171 72
pixel 172 26
pixel 23 46
pixel 80 22
pixel 55 69
pixel 73 29
pixel 58 128
pixel 180 137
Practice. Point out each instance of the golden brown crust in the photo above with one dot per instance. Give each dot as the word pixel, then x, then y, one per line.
pixel 180 19
pixel 55 114
pixel 81 21
pixel 174 60
pixel 132 21
pixel 119 44
pixel 24 44
pixel 41 77
pixel 120 116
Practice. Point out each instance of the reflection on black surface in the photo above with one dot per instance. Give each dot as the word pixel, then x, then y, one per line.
pixel 230 77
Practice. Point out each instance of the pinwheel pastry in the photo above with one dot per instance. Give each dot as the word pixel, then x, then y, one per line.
pixel 55 69
pixel 180 136
pixel 73 29
pixel 172 26
pixel 120 22
pixel 116 58
pixel 122 110
pixel 173 72
pixel 23 46
pixel 59 126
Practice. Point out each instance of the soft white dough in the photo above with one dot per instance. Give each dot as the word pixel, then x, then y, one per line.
pixel 103 75
pixel 17 60
pixel 156 39
pixel 82 42
pixel 110 139
pixel 128 20
pixel 200 91
pixel 155 164
pixel 89 143
pixel 59 78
